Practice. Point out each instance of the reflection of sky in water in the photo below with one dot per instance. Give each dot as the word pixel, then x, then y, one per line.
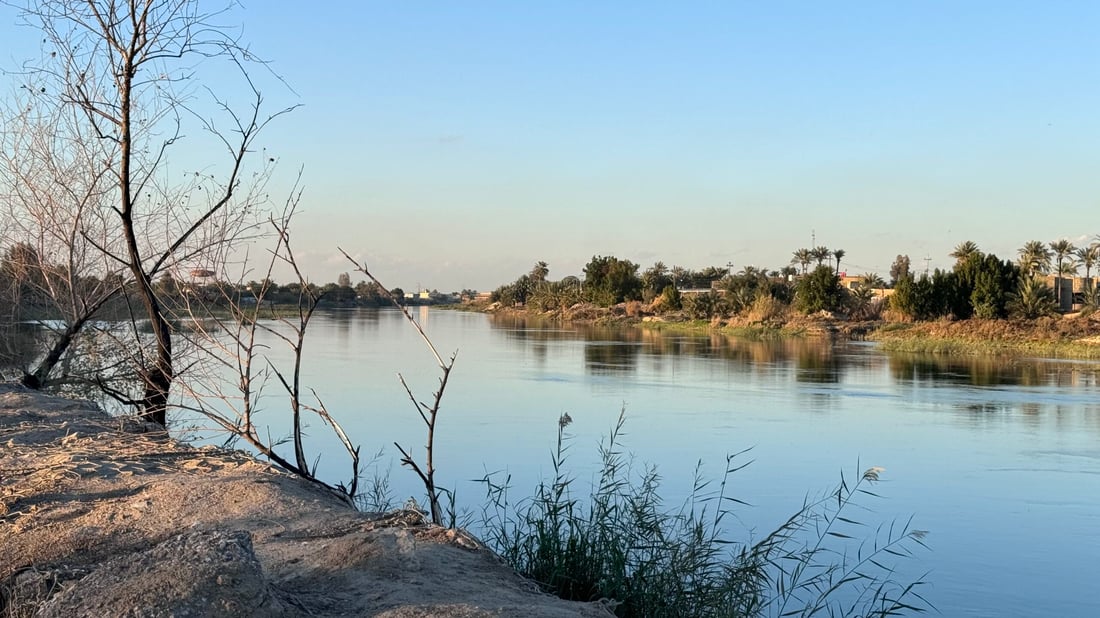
pixel 999 459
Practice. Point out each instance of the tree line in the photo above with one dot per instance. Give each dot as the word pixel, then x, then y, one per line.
pixel 978 285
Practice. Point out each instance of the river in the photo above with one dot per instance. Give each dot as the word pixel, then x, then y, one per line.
pixel 998 459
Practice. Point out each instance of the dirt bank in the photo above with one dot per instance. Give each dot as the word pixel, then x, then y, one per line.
pixel 99 517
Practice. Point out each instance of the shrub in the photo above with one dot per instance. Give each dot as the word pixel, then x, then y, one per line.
pixel 672 299
pixel 818 291
pixel 765 307
pixel 1032 299
pixel 705 306
pixel 624 545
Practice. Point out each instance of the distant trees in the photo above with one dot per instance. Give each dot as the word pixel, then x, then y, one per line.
pixel 839 253
pixel 654 281
pixel 803 258
pixel 1032 299
pixel 514 293
pixel 979 286
pixel 963 251
pixel 1063 255
pixel 539 272
pixel 609 280
pixel 899 269
pixel 1034 258
pixel 1088 257
pixel 819 291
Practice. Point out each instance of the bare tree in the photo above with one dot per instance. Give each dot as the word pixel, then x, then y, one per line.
pixel 231 372
pixel 429 413
pixel 53 188
pixel 129 69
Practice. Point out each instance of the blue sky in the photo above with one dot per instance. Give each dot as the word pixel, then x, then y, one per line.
pixel 452 145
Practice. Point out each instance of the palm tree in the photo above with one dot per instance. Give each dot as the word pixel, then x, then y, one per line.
pixel 1034 258
pixel 539 272
pixel 839 253
pixel 1032 299
pixel 751 272
pixel 802 257
pixel 820 254
pixel 873 280
pixel 1088 257
pixel 1062 249
pixel 679 276
pixel 964 250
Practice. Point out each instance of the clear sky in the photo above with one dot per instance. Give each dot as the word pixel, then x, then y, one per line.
pixel 453 144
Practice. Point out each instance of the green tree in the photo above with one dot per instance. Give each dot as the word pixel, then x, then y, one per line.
pixel 819 291
pixel 820 254
pixel 609 280
pixel 983 284
pixel 672 298
pixel 899 269
pixel 839 253
pixel 989 297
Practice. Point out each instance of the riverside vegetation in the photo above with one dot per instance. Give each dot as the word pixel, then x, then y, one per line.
pixel 982 305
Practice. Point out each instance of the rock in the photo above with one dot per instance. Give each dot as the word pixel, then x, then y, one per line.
pixel 101 518
pixel 195 574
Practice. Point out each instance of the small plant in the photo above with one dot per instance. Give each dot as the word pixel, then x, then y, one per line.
pixel 622 544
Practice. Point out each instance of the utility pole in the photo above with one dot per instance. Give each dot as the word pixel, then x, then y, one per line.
pixel 927 259
pixel 729 268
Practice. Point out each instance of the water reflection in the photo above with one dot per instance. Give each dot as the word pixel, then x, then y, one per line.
pixel 617 350
pixel 991 371
pixel 21 347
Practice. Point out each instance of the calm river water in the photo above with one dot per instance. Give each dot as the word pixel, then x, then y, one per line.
pixel 998 460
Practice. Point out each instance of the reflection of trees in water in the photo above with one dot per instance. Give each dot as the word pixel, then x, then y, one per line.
pixel 991 371
pixel 817 365
pixel 100 354
pixel 617 349
pixel 22 345
pixel 602 357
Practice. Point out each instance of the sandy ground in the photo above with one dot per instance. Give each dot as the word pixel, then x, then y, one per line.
pixel 103 517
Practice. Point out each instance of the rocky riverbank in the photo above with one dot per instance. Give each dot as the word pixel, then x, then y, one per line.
pixel 107 517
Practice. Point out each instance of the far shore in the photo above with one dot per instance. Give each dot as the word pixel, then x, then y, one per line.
pixel 1072 336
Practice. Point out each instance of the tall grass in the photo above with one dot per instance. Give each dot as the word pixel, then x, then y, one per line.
pixel 621 543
